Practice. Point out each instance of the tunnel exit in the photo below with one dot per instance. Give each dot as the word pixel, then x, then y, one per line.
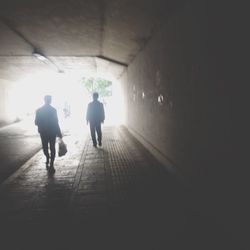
pixel 70 93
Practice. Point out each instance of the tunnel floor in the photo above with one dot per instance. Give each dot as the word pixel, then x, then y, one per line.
pixel 114 197
pixel 19 142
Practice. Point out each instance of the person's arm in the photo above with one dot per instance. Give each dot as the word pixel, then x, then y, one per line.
pixel 37 118
pixel 58 130
pixel 59 133
pixel 88 114
pixel 103 113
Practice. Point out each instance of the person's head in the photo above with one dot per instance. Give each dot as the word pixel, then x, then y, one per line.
pixel 47 99
pixel 95 96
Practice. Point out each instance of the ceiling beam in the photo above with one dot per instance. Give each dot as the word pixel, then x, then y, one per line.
pixel 17 32
pixel 112 61
pixel 48 61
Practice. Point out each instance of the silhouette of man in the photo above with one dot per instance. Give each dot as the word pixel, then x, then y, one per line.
pixel 95 116
pixel 48 127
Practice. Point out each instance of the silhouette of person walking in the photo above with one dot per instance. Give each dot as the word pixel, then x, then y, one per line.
pixel 95 116
pixel 48 127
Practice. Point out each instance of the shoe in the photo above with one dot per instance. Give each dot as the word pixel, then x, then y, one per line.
pixel 52 170
pixel 100 143
pixel 94 145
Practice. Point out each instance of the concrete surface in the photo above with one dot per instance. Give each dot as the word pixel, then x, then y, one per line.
pixel 68 30
pixel 113 197
pixel 19 142
pixel 184 98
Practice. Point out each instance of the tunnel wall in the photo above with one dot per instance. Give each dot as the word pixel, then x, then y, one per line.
pixel 5 116
pixel 186 103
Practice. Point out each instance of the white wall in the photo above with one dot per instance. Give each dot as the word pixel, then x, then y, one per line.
pixel 5 99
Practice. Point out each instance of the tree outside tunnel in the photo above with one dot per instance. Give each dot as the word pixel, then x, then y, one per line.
pixel 100 85
pixel 110 94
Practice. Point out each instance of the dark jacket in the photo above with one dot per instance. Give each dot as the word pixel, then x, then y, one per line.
pixel 47 121
pixel 95 112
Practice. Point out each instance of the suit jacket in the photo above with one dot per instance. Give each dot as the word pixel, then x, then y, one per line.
pixel 95 112
pixel 47 121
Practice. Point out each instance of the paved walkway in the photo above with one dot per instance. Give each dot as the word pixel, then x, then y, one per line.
pixel 19 142
pixel 114 197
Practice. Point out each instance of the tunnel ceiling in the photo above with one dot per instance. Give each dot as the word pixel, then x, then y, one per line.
pixel 83 35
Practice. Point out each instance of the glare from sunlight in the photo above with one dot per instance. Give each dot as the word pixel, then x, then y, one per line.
pixel 69 97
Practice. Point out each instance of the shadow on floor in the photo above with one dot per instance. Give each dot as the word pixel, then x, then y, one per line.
pixel 120 198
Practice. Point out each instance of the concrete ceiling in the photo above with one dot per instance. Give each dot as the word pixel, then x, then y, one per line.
pixel 96 36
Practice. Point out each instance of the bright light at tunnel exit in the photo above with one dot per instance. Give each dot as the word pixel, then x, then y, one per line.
pixel 69 97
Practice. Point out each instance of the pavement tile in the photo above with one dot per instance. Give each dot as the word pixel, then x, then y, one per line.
pixel 111 197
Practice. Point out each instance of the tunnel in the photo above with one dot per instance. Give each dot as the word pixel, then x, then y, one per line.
pixel 174 173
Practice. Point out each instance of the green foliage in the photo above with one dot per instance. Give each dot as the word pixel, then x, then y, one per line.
pixel 102 86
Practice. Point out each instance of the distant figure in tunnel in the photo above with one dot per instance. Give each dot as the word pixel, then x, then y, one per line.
pixel 95 116
pixel 48 127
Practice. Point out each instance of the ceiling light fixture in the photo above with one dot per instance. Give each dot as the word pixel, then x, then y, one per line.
pixel 39 56
pixel 46 60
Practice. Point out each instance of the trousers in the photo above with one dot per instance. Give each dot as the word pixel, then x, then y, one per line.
pixel 48 142
pixel 95 127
